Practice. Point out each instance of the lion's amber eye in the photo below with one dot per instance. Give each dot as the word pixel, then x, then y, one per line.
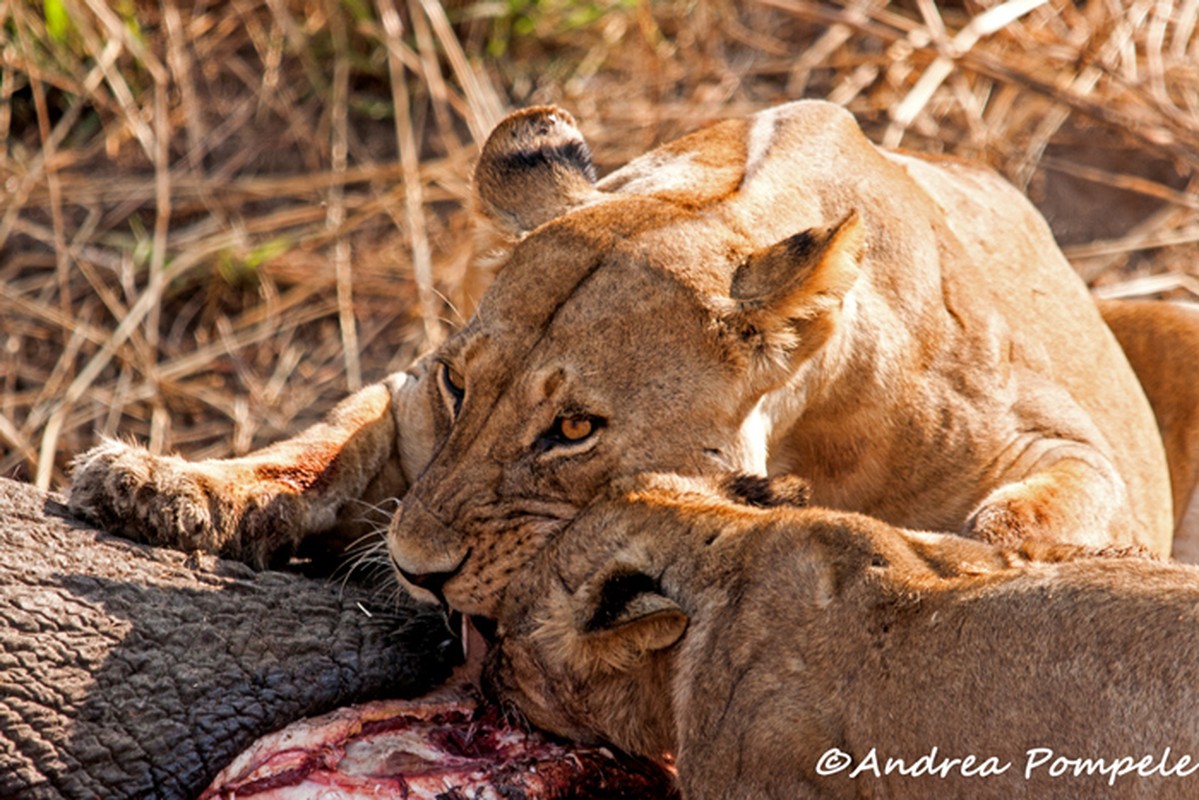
pixel 570 429
pixel 575 429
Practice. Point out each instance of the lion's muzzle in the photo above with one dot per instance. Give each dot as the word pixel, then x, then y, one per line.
pixel 424 552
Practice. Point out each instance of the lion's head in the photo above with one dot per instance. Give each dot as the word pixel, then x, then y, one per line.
pixel 635 326
pixel 587 631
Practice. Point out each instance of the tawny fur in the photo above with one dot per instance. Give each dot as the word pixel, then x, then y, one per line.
pixel 777 295
pixel 748 641
pixel 1161 341
pixel 772 294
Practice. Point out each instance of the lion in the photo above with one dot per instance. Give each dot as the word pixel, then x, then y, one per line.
pixel 777 295
pixel 1161 341
pixel 774 295
pixel 776 651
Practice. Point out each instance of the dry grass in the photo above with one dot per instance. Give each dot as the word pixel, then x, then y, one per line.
pixel 218 216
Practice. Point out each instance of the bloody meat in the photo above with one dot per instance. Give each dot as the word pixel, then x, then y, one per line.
pixel 445 746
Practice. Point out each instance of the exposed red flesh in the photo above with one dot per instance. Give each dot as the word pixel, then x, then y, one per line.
pixel 444 745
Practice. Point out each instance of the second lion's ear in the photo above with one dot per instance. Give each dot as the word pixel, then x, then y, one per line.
pixel 535 166
pixel 625 616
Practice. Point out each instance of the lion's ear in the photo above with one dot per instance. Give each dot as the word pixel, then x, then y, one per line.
pixel 784 294
pixel 534 167
pixel 625 616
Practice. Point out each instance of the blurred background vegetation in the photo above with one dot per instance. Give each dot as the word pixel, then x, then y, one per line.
pixel 219 216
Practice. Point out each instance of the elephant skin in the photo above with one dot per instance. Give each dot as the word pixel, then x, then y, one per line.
pixel 133 672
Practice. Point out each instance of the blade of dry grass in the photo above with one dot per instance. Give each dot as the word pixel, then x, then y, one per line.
pixel 430 69
pixel 482 99
pixel 409 159
pixel 1149 285
pixel 339 151
pixel 986 23
pixel 1132 183
pixel 1135 242
pixel 36 169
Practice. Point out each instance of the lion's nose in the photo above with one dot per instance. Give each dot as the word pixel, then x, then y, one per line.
pixel 431 582
pixel 413 537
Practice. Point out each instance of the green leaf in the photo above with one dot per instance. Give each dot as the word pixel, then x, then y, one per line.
pixel 267 251
pixel 128 13
pixel 58 22
pixel 360 10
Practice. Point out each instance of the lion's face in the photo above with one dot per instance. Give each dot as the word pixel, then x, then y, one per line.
pixel 547 669
pixel 580 365
pixel 592 631
pixel 586 636
pixel 627 334
pixel 550 669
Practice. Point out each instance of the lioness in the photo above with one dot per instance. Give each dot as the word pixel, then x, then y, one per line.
pixel 790 653
pixel 771 294
pixel 777 295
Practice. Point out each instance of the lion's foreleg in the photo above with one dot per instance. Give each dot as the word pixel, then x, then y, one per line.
pixel 263 506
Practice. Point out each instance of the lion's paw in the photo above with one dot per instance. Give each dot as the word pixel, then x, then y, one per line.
pixel 1006 524
pixel 154 499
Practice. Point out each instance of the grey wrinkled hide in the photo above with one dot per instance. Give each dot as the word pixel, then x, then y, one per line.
pixel 133 672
